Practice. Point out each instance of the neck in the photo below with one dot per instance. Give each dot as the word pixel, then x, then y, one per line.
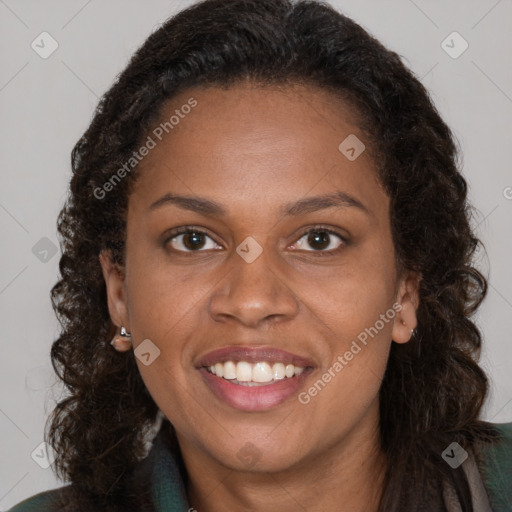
pixel 349 476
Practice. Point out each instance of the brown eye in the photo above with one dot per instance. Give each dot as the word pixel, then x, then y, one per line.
pixel 320 240
pixel 191 240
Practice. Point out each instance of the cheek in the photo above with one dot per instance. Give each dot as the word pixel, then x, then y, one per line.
pixel 358 350
pixel 354 315
pixel 162 300
pixel 351 298
pixel 162 307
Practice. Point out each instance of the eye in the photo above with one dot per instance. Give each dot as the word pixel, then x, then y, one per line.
pixel 321 240
pixel 189 239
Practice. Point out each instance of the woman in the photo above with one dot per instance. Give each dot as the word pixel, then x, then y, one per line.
pixel 267 219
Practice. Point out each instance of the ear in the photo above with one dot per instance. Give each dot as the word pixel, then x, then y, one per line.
pixel 408 298
pixel 113 274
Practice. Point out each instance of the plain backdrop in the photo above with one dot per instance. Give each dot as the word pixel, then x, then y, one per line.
pixel 47 103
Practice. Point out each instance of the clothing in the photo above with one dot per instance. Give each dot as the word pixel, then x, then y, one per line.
pixel 491 483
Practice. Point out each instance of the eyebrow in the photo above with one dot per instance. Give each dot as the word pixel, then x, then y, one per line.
pixel 207 207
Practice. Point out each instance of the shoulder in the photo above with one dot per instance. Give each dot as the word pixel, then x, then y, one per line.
pixel 496 459
pixel 48 501
pixel 155 483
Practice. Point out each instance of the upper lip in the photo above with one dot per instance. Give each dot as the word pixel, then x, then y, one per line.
pixel 252 355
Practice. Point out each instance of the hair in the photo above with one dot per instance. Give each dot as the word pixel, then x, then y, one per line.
pixel 433 388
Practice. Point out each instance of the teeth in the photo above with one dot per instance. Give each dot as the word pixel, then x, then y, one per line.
pixel 243 372
pixel 219 369
pixel 261 372
pixel 278 371
pixel 229 370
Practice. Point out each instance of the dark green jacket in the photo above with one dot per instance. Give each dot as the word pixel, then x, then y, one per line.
pixel 168 491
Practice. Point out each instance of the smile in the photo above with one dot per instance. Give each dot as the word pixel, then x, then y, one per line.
pixel 253 378
pixel 244 373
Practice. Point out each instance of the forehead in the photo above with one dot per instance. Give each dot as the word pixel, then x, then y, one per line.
pixel 272 141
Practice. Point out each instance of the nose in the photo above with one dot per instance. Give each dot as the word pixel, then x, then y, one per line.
pixel 253 293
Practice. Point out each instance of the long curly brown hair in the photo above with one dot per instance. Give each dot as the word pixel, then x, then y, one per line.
pixel 433 388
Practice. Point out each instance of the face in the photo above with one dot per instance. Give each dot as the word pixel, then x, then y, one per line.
pixel 285 284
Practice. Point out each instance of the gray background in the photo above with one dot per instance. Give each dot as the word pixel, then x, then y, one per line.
pixel 46 104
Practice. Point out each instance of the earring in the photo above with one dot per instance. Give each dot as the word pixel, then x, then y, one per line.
pixel 413 331
pixel 122 342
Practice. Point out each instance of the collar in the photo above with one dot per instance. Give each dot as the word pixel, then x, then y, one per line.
pixel 167 486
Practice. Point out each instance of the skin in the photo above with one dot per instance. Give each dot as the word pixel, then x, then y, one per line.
pixel 253 149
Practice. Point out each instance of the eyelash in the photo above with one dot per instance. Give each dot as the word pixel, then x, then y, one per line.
pixel 315 229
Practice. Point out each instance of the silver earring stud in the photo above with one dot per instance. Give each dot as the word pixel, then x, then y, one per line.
pixel 122 342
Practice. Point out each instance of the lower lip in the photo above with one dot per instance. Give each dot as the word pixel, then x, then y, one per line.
pixel 255 398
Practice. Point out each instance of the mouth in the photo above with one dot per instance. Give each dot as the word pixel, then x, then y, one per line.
pixel 253 379
pixel 262 373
